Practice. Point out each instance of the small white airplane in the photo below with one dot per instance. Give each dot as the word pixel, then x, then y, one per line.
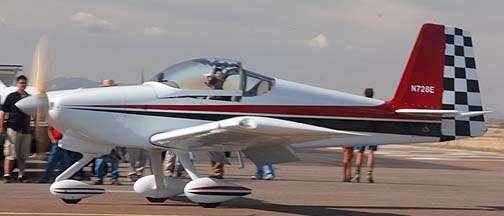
pixel 438 99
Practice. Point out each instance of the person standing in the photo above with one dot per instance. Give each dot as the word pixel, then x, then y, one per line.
pixel 57 155
pixel 368 92
pixel 18 140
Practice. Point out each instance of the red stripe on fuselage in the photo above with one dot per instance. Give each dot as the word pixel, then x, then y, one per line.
pixel 381 111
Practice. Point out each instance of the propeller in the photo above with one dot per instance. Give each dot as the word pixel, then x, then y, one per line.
pixel 37 105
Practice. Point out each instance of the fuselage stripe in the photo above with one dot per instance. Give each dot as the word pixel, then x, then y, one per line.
pixel 431 129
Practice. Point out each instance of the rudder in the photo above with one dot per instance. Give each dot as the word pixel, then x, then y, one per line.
pixel 441 75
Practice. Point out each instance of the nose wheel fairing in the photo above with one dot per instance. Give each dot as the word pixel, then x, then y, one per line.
pixel 71 191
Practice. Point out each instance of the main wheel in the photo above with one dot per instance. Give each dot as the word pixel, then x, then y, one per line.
pixel 156 200
pixel 71 201
pixel 209 205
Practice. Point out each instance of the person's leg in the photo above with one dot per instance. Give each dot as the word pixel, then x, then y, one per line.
pixel 217 170
pixel 23 145
pixel 270 173
pixel 51 163
pixel 269 170
pixel 370 163
pixel 348 167
pixel 8 167
pixel 179 169
pixel 99 169
pixel 133 158
pixel 66 159
pixel 114 170
pixel 10 153
pixel 345 159
pixel 142 161
pixel 169 163
pixel 259 171
pixel 358 163
pixel 347 163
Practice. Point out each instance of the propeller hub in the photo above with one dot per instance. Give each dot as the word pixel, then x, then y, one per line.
pixel 30 105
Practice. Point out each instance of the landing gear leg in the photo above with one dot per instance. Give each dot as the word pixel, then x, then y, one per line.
pixel 157 170
pixel 187 164
pixel 86 158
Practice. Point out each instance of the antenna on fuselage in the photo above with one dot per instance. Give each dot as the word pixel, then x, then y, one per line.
pixel 142 78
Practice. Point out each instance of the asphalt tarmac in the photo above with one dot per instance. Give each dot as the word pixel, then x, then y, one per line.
pixel 409 181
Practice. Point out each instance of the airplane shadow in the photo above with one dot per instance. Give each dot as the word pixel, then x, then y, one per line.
pixel 249 203
pixel 493 208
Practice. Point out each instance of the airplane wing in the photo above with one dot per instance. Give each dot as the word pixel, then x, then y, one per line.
pixel 263 140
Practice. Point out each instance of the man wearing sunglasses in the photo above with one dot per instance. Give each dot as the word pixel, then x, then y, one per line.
pixel 18 137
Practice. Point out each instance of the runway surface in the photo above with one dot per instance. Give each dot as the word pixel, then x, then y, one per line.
pixel 410 180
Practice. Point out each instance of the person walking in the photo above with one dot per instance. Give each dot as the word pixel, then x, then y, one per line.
pixel 57 155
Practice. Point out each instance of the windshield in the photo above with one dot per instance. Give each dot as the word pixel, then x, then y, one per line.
pixel 202 74
pixel 196 74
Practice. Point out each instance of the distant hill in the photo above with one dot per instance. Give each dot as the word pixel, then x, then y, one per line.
pixel 65 83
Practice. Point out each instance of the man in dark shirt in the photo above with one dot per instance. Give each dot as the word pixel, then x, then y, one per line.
pixel 18 140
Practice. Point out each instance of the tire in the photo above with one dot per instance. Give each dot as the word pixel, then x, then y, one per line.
pixel 71 201
pixel 156 200
pixel 209 205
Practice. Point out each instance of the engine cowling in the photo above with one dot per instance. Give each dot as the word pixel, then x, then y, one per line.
pixel 146 186
pixel 210 192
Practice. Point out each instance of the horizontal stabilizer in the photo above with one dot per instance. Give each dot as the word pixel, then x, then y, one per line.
pixel 441 113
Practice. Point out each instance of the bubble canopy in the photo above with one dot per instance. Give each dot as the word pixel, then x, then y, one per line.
pixel 193 74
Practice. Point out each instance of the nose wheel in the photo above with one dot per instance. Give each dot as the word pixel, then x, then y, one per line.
pixel 156 200
pixel 71 201
pixel 209 205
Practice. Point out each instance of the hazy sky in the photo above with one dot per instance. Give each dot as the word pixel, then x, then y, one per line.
pixel 341 45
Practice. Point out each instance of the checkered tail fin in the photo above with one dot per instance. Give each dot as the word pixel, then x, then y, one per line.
pixel 441 76
pixel 461 90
